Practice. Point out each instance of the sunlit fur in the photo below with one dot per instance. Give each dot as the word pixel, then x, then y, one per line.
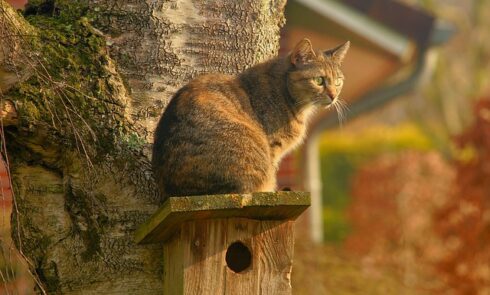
pixel 227 134
pixel 302 84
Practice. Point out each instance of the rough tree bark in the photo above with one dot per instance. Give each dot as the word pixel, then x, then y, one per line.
pixel 94 78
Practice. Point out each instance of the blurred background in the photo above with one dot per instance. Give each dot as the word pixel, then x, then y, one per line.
pixel 401 189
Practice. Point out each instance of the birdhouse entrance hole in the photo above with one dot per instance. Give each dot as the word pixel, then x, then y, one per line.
pixel 238 257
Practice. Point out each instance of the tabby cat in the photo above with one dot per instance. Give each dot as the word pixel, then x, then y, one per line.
pixel 227 134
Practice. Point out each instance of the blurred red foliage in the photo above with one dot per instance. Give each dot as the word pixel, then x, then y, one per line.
pixel 17 3
pixel 394 200
pixel 426 218
pixel 465 220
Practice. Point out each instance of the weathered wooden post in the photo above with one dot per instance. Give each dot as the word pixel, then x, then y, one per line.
pixel 226 244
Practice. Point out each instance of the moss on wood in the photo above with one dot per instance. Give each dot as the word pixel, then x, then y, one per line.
pixel 75 93
pixel 260 205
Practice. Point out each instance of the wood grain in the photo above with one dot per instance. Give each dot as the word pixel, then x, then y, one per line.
pixel 194 258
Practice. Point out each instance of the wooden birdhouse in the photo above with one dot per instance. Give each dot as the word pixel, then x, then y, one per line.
pixel 226 244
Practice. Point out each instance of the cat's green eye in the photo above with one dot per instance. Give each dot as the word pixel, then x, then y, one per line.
pixel 320 81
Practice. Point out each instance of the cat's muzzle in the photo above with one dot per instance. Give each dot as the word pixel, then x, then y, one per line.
pixel 328 101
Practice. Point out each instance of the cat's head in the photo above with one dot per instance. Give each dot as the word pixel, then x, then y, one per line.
pixel 315 78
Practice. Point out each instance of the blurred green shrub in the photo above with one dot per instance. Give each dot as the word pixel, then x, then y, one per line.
pixel 342 152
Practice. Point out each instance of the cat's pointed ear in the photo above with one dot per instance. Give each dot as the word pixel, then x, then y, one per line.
pixel 338 53
pixel 303 53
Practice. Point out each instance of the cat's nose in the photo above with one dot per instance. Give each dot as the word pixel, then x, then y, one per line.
pixel 332 94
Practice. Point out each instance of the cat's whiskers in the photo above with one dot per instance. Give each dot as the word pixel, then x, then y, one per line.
pixel 343 105
pixel 341 109
pixel 339 113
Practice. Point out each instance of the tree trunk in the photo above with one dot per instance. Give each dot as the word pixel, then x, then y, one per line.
pixel 101 73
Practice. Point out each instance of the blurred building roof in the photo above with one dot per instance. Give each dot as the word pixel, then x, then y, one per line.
pixel 409 21
pixel 338 20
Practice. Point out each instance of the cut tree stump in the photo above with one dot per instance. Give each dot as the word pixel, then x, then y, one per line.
pixel 226 244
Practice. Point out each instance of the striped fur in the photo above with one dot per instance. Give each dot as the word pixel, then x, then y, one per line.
pixel 226 134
